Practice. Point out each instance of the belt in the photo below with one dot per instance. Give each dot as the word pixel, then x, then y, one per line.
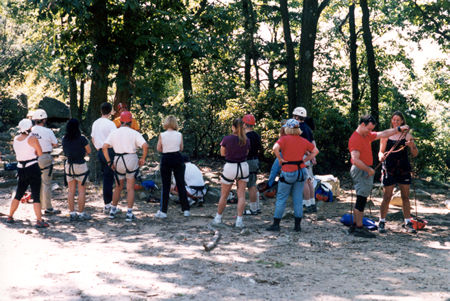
pixel 46 152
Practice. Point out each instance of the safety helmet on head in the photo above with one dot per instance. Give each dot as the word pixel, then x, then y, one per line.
pixel 299 111
pixel 39 114
pixel 25 125
pixel 292 124
pixel 126 116
pixel 249 119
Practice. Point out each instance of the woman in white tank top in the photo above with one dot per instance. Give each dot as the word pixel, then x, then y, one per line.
pixel 27 149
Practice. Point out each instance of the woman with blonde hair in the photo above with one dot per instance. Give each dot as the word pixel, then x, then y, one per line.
pixel 170 145
pixel 234 148
pixel 293 172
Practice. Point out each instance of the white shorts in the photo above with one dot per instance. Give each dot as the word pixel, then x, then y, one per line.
pixel 233 171
pixel 75 169
pixel 131 162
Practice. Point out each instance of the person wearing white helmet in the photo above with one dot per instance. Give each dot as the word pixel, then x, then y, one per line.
pixel 48 141
pixel 300 115
pixel 27 150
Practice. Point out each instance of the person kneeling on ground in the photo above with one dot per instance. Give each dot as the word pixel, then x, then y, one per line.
pixel 195 185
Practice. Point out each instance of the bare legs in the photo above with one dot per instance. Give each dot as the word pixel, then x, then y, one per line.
pixel 387 195
pixel 225 191
pixel 81 196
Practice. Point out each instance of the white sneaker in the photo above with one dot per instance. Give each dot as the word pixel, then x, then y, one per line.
pixel 187 213
pixel 160 214
pixel 107 209
pixel 217 221
pixel 239 224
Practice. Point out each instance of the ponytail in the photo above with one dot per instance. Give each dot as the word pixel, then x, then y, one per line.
pixel 239 127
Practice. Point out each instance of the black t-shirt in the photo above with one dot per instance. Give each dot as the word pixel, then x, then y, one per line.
pixel 255 145
pixel 306 132
pixel 75 149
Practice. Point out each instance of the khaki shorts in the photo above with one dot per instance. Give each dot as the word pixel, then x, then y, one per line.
pixel 131 162
pixel 362 182
pixel 231 172
pixel 75 169
pixel 253 166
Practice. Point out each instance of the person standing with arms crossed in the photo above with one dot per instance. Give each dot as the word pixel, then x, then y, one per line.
pixel 101 128
pixel 360 148
pixel 48 141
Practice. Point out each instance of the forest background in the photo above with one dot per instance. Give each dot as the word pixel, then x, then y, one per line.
pixel 210 61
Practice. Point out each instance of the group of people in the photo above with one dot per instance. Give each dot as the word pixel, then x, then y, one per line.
pixel 117 142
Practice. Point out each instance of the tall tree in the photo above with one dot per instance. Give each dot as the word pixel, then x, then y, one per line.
pixel 354 110
pixel 290 55
pixel 310 17
pixel 371 64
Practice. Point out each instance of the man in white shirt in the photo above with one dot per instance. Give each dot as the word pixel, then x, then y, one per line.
pixel 47 141
pixel 126 164
pixel 101 128
pixel 195 185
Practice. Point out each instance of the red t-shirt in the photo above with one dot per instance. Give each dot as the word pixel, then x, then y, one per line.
pixel 293 148
pixel 363 145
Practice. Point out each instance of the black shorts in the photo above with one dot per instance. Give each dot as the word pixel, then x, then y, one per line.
pixel 390 179
pixel 31 176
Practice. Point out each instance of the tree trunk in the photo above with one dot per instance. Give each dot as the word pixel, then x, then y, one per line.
pixel 371 65
pixel 310 17
pixel 81 106
pixel 127 59
pixel 101 61
pixel 354 110
pixel 73 102
pixel 290 55
pixel 249 47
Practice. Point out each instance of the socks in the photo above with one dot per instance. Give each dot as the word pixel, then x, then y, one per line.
pixel 254 206
pixel 307 203
pixel 73 213
pixel 238 219
pixel 382 220
pixel 218 218
pixel 312 201
pixel 407 220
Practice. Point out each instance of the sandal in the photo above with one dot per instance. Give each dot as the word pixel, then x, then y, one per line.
pixel 41 224
pixel 10 220
pixel 250 212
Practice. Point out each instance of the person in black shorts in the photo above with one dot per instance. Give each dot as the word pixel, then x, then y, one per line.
pixel 396 170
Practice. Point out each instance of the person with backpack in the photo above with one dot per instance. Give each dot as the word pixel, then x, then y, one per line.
pixel 300 115
pixel 293 172
pixel 170 145
pixel 76 147
pixel 396 169
pixel 253 163
pixel 27 149
pixel 47 140
pixel 234 148
pixel 101 128
pixel 126 163
pixel 360 148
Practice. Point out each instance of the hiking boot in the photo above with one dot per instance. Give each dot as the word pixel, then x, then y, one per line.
pixel 187 213
pixel 41 224
pixel 160 214
pixel 297 227
pixel 10 220
pixel 351 229
pixel 51 211
pixel 274 228
pixel 409 228
pixel 73 217
pixel 313 208
pixel 84 216
pixel 130 217
pixel 381 227
pixel 363 232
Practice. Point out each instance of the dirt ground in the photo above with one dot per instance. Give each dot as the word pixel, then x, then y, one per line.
pixel 154 259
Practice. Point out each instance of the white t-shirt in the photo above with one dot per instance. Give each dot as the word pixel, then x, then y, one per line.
pixel 171 141
pixel 24 151
pixel 125 140
pixel 101 128
pixel 45 136
pixel 193 175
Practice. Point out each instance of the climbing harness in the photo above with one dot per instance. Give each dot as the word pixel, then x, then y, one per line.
pixel 238 169
pixel 127 171
pixel 73 174
pixel 300 176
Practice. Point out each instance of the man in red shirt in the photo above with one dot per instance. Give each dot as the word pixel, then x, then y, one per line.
pixel 360 147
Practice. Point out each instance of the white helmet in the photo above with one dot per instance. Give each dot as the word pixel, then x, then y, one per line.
pixel 39 114
pixel 299 111
pixel 25 125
